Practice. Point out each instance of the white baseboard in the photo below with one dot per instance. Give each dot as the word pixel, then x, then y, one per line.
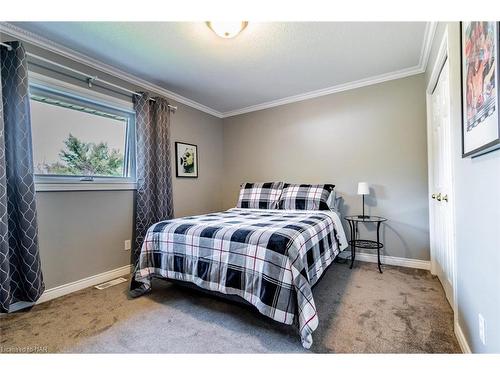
pixel 62 290
pixel 462 341
pixel 74 286
pixel 394 261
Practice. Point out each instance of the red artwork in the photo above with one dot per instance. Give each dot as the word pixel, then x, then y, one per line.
pixel 479 51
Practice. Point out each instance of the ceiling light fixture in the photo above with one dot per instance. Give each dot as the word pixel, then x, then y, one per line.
pixel 227 30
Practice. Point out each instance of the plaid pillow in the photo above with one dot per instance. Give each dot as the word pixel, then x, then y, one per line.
pixel 260 195
pixel 305 197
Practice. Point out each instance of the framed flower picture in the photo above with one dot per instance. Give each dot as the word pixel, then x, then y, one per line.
pixel 186 156
pixel 480 69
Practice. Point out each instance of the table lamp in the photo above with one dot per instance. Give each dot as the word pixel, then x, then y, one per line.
pixel 363 189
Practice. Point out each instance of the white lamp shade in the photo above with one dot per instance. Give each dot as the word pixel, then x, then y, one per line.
pixel 363 188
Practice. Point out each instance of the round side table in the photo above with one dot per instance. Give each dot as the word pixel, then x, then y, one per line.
pixel 365 244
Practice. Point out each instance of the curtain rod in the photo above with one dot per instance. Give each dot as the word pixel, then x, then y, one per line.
pixel 90 79
pixel 6 46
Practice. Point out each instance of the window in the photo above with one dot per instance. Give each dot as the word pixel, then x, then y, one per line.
pixel 79 141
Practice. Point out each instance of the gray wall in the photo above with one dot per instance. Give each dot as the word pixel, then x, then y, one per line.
pixel 375 134
pixel 477 203
pixel 82 233
pixel 203 194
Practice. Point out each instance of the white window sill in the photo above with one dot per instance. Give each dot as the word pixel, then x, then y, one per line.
pixel 84 186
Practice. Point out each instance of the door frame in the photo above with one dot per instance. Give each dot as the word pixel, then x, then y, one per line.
pixel 442 56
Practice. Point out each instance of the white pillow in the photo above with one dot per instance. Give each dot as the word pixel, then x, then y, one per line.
pixel 334 201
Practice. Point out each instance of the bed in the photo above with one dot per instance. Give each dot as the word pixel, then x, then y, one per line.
pixel 271 258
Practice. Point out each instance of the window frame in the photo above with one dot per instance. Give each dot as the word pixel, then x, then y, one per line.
pixel 77 95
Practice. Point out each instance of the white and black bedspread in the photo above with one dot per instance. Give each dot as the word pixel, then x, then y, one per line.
pixel 270 258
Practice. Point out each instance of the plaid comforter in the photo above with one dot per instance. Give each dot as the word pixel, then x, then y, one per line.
pixel 270 258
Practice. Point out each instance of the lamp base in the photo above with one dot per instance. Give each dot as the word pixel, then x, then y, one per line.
pixel 363 216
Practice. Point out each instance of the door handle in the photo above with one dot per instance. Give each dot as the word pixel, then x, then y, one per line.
pixel 445 198
pixel 438 197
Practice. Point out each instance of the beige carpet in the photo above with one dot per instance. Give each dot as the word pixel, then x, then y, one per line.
pixel 360 311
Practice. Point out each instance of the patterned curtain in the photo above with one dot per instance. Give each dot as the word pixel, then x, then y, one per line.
pixel 20 270
pixel 154 178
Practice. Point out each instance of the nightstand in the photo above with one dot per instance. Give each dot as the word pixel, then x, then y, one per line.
pixel 365 244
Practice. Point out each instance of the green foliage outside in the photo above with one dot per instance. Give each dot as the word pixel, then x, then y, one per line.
pixel 85 159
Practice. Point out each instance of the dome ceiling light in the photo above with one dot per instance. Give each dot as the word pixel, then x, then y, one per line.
pixel 227 30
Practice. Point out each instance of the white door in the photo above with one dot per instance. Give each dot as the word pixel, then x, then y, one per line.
pixel 440 183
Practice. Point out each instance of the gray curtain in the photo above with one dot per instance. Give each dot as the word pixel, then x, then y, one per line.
pixel 154 178
pixel 20 270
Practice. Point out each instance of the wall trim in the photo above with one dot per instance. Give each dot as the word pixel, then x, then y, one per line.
pixel 430 30
pixel 39 41
pixel 74 286
pixel 47 44
pixel 328 91
pixel 462 341
pixel 394 261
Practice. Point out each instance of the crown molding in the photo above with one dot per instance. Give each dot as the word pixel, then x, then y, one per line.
pixel 44 43
pixel 39 41
pixel 329 90
pixel 430 32
pixel 430 29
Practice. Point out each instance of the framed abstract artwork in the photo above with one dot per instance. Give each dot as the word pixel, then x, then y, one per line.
pixel 186 156
pixel 480 69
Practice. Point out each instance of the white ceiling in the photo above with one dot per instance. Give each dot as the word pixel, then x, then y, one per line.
pixel 264 66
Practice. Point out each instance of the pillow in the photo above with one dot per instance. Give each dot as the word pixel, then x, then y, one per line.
pixel 260 195
pixel 334 204
pixel 334 201
pixel 305 197
pixel 331 198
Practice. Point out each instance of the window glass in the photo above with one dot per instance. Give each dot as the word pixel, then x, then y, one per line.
pixel 80 139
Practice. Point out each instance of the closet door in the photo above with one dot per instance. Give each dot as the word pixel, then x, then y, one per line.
pixel 440 176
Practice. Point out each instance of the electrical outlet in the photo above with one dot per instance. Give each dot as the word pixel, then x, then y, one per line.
pixel 127 245
pixel 482 329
